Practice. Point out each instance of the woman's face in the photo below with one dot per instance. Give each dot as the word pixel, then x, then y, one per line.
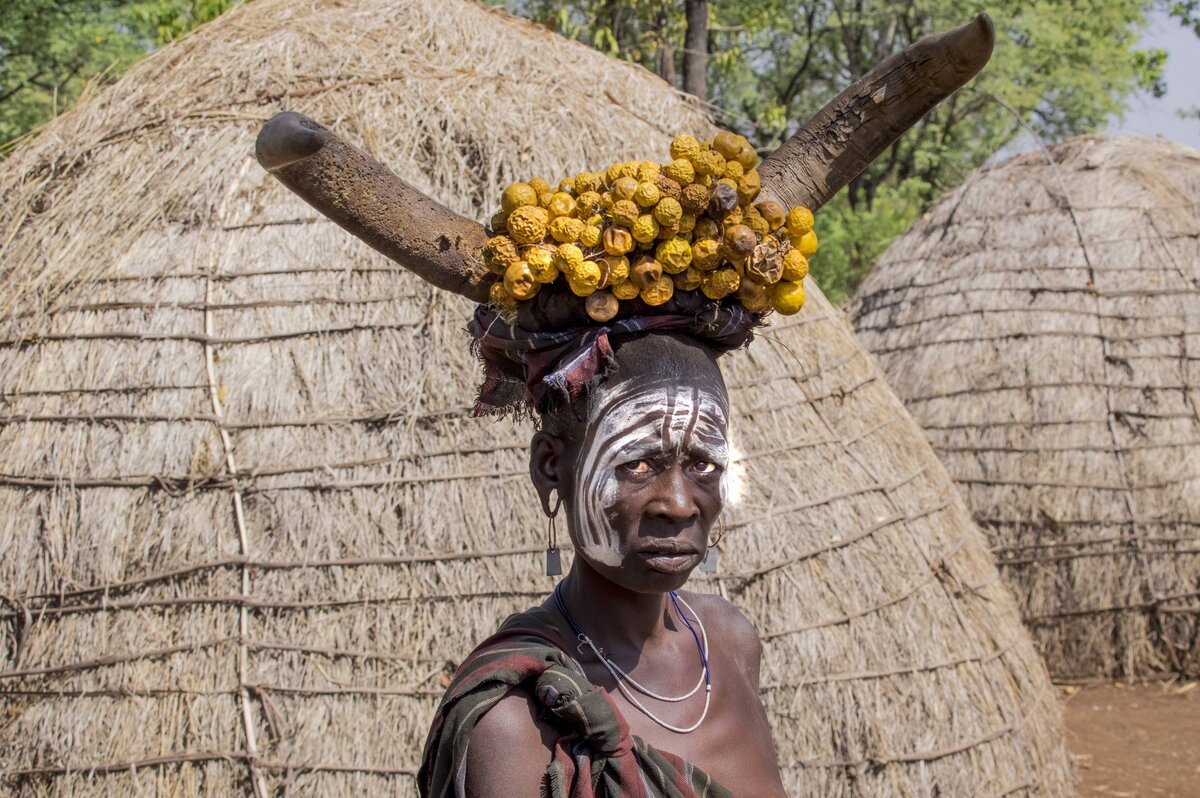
pixel 648 479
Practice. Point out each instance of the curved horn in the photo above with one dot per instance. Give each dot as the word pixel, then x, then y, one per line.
pixel 371 202
pixel 852 130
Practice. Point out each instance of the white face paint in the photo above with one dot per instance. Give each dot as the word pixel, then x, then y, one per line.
pixel 628 423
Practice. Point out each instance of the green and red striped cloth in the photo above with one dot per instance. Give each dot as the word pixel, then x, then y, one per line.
pixel 596 756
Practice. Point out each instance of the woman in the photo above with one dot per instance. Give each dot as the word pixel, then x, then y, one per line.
pixel 571 697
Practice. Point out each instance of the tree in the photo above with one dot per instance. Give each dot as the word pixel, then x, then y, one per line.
pixel 1060 67
pixel 52 51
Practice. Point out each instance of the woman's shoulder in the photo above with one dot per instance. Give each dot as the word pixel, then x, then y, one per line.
pixel 510 748
pixel 725 622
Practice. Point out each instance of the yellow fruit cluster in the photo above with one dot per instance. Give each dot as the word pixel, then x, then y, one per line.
pixel 644 230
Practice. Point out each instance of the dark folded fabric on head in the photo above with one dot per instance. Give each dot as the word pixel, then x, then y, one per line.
pixel 596 756
pixel 526 369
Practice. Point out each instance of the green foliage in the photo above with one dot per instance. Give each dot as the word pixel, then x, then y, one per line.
pixel 53 51
pixel 1060 67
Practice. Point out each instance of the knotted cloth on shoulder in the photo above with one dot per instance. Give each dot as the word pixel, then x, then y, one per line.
pixel 596 756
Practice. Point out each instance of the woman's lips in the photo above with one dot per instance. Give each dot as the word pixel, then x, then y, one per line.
pixel 670 559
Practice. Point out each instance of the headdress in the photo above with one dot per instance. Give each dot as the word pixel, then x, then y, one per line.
pixel 555 284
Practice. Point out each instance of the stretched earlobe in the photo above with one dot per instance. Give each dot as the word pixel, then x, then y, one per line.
pixel 546 469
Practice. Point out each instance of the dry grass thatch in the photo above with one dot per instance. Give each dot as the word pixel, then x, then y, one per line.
pixel 1043 325
pixel 245 520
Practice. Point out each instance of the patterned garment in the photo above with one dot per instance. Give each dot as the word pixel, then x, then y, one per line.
pixel 524 368
pixel 596 757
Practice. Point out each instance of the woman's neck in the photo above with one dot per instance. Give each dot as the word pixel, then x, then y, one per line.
pixel 611 615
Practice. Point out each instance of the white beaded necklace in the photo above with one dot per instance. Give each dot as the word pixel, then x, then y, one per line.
pixel 622 678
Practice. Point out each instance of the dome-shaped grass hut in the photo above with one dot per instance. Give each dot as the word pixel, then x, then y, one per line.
pixel 247 526
pixel 1043 325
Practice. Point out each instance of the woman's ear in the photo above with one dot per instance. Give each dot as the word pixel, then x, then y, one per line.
pixel 548 468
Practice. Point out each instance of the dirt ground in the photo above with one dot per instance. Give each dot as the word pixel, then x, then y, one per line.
pixel 1141 741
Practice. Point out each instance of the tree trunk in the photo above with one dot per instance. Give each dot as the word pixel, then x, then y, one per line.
pixel 695 49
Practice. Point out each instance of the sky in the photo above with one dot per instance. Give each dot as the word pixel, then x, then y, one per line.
pixel 1148 116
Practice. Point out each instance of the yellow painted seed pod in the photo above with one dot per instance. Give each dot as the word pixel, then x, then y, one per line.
pixel 689 279
pixel 589 236
pixel 561 204
pixel 586 204
pixel 569 259
pixel 772 211
pixel 517 195
pixel 601 306
pixel 795 266
pixel 720 284
pixel 544 198
pixel 585 279
pixel 518 279
pixel 626 290
pixel 645 229
pixel 587 181
pixel 616 240
pixel 747 157
pixel 668 211
pixel 674 254
pixel 648 170
pixel 706 228
pixel 786 297
pixel 734 217
pixel 624 213
pixel 684 146
pixel 681 171
pixel 606 201
pixel 499 252
pixel 567 185
pixel 755 221
pixel 734 170
pixel 659 291
pixel 566 229
pixel 753 296
pixel 527 224
pixel 709 162
pixel 498 295
pixel 614 269
pixel 624 188
pixel 687 223
pixel 498 222
pixel 748 186
pixel 728 144
pixel 645 272
pixel 668 187
pixel 647 195
pixel 807 243
pixel 612 174
pixel 706 254
pixel 799 221
pixel 539 185
pixel 541 262
pixel 596 219
pixel 629 169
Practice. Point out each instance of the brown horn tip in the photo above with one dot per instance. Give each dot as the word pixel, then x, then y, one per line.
pixel 970 46
pixel 286 138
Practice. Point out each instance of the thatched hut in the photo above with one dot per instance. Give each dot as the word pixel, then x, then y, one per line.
pixel 246 525
pixel 1043 325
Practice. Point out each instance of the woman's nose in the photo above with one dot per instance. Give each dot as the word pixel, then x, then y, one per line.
pixel 674 497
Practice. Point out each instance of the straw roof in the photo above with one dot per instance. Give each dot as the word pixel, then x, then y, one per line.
pixel 246 523
pixel 1043 325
